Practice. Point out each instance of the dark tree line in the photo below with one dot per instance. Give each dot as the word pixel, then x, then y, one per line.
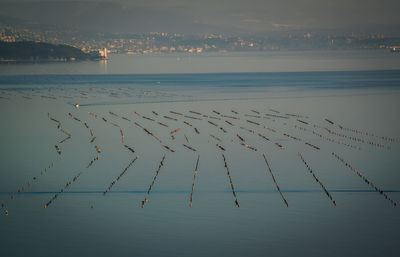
pixel 40 51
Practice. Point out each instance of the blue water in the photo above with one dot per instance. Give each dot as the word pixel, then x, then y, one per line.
pixel 82 221
pixel 310 80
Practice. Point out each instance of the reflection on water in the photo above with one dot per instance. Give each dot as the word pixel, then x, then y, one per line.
pixel 103 66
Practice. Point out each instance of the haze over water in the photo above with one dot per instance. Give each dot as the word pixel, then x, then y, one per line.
pixel 295 93
pixel 279 61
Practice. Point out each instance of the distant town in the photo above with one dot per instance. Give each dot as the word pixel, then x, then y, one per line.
pixel 162 42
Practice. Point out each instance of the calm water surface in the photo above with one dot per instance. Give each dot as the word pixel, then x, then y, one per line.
pixel 363 223
pixel 285 61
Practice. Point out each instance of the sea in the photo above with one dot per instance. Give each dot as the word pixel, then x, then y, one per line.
pixel 225 154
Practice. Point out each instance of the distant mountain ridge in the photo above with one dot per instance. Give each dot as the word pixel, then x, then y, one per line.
pixel 207 16
pixel 34 51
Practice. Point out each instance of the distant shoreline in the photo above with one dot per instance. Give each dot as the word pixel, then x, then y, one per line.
pixel 31 52
pixel 25 61
pixel 238 62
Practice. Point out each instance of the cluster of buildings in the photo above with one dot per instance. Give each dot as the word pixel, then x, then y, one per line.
pixel 161 42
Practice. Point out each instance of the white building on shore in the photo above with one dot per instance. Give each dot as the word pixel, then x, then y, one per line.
pixel 103 53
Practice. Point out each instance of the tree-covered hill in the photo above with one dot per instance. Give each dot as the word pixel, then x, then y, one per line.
pixel 33 51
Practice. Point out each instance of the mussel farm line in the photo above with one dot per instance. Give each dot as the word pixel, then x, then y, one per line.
pixel 275 182
pixel 154 180
pixel 194 180
pixel 316 179
pixel 367 181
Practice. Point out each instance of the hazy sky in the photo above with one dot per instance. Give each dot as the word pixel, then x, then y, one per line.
pixel 206 15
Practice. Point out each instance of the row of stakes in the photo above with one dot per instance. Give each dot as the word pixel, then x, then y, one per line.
pixel 172 132
pixel 146 200
pixel 120 176
pixel 362 176
pixel 275 182
pixel 316 178
pixel 285 134
pixel 96 158
pixel 355 139
pixel 76 177
pixel 51 165
pixel 221 128
pixel 233 188
pixel 132 150
pixel 364 132
pixel 331 140
pixel 358 131
pixel 194 180
pixel 228 173
pixel 242 140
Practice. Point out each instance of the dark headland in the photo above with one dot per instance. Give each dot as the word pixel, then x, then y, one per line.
pixel 37 51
